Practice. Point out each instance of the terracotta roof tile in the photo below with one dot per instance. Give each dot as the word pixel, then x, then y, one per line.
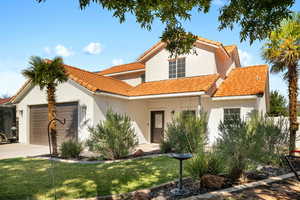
pixel 5 100
pixel 190 84
pixel 230 48
pixel 249 80
pixel 123 68
pixel 95 82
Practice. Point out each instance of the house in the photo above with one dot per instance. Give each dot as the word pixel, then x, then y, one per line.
pixel 7 116
pixel 151 91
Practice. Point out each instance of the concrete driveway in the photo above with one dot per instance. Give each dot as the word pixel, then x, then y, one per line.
pixel 16 150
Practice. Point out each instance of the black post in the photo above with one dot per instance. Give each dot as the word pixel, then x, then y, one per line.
pixel 180 176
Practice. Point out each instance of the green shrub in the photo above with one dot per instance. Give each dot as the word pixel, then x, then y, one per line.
pixel 185 133
pixel 205 163
pixel 274 136
pixel 197 166
pixel 114 137
pixel 259 139
pixel 235 144
pixel 165 147
pixel 71 149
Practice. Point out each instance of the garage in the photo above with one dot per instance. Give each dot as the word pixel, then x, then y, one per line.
pixel 39 123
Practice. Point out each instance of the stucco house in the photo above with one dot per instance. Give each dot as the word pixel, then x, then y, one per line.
pixel 150 90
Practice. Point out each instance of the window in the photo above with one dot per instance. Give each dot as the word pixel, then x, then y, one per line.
pixel 143 78
pixel 177 68
pixel 188 113
pixel 231 114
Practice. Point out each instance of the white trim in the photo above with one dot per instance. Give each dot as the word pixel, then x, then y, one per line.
pixel 125 72
pixel 23 92
pixel 182 94
pixel 207 43
pixel 234 97
pixel 112 95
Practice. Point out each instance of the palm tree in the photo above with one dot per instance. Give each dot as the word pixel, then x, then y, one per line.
pixel 48 74
pixel 282 51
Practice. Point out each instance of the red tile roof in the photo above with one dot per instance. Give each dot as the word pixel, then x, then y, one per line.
pixel 5 100
pixel 230 48
pixel 123 68
pixel 241 81
pixel 95 82
pixel 189 84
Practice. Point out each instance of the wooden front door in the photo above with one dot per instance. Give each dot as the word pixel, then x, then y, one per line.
pixel 157 126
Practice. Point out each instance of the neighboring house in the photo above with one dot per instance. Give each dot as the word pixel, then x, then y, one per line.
pixel 7 116
pixel 151 91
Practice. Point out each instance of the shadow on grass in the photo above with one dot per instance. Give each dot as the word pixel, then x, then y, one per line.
pixel 31 178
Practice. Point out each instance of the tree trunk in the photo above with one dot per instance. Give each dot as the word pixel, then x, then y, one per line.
pixel 293 93
pixel 52 115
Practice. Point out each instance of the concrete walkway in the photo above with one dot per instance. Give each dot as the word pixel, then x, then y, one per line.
pixel 16 150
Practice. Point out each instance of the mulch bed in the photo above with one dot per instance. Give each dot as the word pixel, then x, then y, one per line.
pixel 195 188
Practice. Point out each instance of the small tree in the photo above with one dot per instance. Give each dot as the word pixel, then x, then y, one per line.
pixel 114 137
pixel 277 104
pixel 48 74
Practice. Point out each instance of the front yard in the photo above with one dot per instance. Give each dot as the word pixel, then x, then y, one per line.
pixel 22 178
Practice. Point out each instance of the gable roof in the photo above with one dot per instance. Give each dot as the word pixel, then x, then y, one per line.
pixel 4 101
pixel 230 48
pixel 242 81
pixel 181 85
pixel 96 83
pixel 160 45
pixel 130 67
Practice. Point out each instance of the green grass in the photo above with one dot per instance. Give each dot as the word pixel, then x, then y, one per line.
pixel 22 178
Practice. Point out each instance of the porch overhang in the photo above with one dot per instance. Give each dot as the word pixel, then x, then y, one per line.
pixel 156 96
pixel 234 97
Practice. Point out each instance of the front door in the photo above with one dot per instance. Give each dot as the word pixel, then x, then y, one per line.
pixel 157 126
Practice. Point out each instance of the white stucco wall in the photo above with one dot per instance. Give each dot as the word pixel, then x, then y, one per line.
pixel 131 78
pixel 133 81
pixel 215 111
pixel 66 92
pixel 157 68
pixel 136 110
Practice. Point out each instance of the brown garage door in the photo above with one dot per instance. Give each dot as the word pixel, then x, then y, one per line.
pixel 39 123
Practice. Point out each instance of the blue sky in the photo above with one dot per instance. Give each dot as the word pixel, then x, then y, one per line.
pixel 92 39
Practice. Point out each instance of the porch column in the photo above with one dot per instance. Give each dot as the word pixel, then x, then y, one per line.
pixel 199 108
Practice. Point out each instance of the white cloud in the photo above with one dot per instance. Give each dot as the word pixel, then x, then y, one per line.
pixel 117 61
pixel 47 50
pixel 93 48
pixel 245 58
pixel 61 50
pixel 218 3
pixel 11 82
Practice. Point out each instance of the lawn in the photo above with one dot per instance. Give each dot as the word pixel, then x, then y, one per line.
pixel 22 178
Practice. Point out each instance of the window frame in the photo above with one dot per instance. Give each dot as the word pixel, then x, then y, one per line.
pixel 228 114
pixel 177 68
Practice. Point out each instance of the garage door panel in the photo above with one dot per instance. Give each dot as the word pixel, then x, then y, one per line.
pixel 39 123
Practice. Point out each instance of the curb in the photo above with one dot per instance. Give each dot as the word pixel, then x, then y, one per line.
pixel 228 191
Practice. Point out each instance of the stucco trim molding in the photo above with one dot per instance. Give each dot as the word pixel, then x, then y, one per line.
pixel 234 97
pixel 125 72
pixel 182 94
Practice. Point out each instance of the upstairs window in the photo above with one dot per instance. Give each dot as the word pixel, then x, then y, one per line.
pixel 143 78
pixel 177 68
pixel 231 114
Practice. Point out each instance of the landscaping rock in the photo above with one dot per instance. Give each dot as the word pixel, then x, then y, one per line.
pixel 212 181
pixel 138 153
pixel 142 195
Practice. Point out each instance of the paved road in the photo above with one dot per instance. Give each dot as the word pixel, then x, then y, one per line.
pixel 21 150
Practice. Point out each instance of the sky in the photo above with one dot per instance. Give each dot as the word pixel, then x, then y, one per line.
pixel 93 39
